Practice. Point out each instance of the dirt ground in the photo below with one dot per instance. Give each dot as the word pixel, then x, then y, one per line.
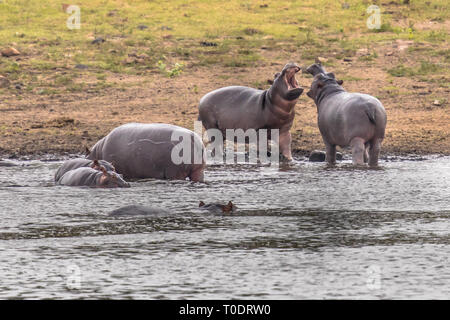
pixel 34 125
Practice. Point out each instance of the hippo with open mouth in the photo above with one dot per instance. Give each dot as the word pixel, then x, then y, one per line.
pixel 90 177
pixel 81 162
pixel 144 150
pixel 347 119
pixel 239 107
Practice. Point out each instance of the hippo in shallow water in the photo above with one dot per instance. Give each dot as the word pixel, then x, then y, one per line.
pixel 238 107
pixel 218 207
pixel 90 177
pixel 136 210
pixel 143 150
pixel 347 119
pixel 80 162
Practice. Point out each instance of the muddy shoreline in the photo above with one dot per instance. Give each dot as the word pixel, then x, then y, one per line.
pixel 299 155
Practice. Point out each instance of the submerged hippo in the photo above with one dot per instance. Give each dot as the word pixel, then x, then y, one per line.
pixel 218 207
pixel 136 210
pixel 347 119
pixel 238 107
pixel 140 150
pixel 90 177
pixel 80 162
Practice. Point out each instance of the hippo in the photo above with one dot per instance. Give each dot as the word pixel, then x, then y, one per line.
pixel 136 210
pixel 218 207
pixel 239 107
pixel 347 119
pixel 90 177
pixel 81 162
pixel 144 150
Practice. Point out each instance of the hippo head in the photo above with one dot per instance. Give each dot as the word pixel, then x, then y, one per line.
pixel 285 85
pixel 229 207
pixel 111 179
pixel 321 79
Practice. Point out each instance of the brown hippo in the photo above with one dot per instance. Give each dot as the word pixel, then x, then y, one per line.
pixel 238 107
pixel 347 119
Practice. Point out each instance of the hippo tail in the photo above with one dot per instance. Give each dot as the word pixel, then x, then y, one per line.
pixel 377 116
pixel 371 113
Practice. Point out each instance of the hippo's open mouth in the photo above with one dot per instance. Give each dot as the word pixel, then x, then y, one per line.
pixel 289 77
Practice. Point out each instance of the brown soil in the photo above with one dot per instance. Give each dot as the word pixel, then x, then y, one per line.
pixel 33 124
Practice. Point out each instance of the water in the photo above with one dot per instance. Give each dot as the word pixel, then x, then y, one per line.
pixel 303 231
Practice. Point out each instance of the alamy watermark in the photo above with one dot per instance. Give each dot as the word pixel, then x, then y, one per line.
pixel 74 20
pixel 374 20
pixel 190 150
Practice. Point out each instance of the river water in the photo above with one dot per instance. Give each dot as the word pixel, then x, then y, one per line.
pixel 301 231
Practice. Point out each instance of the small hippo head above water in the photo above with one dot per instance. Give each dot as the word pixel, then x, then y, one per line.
pixel 218 208
pixel 111 179
pixel 323 81
pixel 285 85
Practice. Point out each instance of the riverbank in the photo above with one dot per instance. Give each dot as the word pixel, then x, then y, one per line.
pixel 62 92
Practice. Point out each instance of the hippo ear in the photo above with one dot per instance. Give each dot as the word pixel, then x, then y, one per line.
pixel 87 151
pixel 95 164
pixel 201 204
pixel 340 82
pixel 269 81
pixel 228 207
pixel 331 74
pixel 102 169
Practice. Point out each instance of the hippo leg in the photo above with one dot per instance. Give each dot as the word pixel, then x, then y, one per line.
pixel 358 150
pixel 366 152
pixel 197 175
pixel 374 153
pixel 285 145
pixel 331 153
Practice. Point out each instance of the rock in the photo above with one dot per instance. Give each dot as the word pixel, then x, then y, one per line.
pixel 9 52
pixel 98 40
pixel 347 59
pixel 345 5
pixel 317 156
pixel 321 60
pixel 208 44
pixel 18 86
pixel 129 60
pixel 436 103
pixel 112 13
pixel 142 27
pixel 320 156
pixel 81 66
pixel 4 83
pixel 363 52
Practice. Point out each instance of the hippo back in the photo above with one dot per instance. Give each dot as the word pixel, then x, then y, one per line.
pixel 79 163
pixel 141 150
pixel 84 176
